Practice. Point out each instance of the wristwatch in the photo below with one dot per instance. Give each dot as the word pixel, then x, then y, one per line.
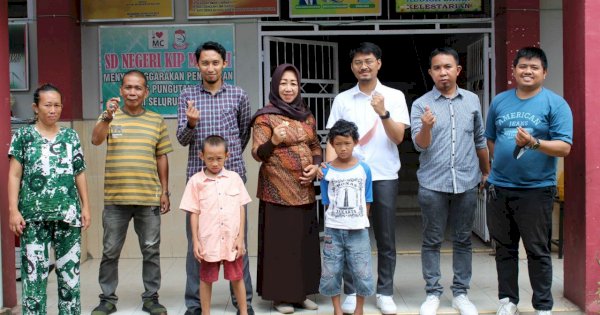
pixel 386 116
pixel 536 145
pixel 167 193
pixel 105 117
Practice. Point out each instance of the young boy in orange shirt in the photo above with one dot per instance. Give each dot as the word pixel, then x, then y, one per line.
pixel 216 198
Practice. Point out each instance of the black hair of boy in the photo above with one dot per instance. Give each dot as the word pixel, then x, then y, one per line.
pixel 343 128
pixel 215 140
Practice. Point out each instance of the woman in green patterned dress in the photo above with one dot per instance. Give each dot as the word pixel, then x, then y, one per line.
pixel 48 203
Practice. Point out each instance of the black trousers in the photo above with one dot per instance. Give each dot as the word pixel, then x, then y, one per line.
pixel 513 214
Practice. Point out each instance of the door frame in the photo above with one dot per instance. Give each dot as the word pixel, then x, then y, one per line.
pixel 382 27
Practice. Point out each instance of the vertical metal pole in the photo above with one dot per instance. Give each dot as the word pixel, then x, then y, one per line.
pixel 8 290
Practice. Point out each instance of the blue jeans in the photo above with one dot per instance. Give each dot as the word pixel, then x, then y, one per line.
pixel 146 221
pixel 383 221
pixel 439 208
pixel 349 248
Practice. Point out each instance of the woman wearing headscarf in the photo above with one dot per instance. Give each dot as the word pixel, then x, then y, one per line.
pixel 285 141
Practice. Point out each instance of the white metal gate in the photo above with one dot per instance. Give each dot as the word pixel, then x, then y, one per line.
pixel 478 82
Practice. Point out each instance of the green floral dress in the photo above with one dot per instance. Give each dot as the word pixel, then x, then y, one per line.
pixel 48 191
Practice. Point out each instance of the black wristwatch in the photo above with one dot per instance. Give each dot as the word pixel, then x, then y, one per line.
pixel 536 145
pixel 386 116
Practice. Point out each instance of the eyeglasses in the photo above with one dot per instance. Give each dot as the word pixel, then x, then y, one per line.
pixel 368 62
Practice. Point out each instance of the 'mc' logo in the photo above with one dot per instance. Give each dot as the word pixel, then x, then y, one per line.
pixel 158 39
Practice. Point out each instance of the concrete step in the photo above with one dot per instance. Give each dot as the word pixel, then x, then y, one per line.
pixel 406 202
pixel 407 211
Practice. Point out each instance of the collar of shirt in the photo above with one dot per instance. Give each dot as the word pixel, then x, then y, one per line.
pixel 223 88
pixel 437 94
pixel 356 90
pixel 204 178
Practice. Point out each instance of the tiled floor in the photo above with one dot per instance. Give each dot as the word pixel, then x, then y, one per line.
pixel 408 282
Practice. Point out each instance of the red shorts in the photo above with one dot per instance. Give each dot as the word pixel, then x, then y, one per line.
pixel 234 270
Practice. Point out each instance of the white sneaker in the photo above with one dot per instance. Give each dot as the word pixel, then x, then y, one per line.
pixel 431 305
pixel 349 304
pixel 538 312
pixel 386 304
pixel 464 305
pixel 507 308
pixel 284 308
pixel 309 305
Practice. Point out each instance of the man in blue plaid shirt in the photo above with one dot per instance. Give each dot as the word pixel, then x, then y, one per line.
pixel 212 107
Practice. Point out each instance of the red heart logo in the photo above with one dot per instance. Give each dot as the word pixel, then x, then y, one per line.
pixel 159 34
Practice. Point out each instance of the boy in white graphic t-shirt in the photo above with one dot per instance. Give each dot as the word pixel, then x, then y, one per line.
pixel 346 190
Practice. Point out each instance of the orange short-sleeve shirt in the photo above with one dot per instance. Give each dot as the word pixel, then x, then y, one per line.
pixel 217 201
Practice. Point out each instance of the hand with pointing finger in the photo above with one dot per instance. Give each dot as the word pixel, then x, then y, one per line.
pixel 193 114
pixel 279 133
pixel 428 119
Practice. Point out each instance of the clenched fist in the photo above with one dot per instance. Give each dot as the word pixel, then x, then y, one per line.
pixel 428 119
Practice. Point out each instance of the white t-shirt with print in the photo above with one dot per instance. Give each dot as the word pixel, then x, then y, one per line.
pixel 347 192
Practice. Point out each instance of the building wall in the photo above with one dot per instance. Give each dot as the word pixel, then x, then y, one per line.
pixel 551 41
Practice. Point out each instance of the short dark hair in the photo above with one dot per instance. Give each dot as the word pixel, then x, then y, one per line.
pixel 343 128
pixel 366 48
pixel 136 72
pixel 46 87
pixel 215 140
pixel 211 46
pixel 444 51
pixel 530 53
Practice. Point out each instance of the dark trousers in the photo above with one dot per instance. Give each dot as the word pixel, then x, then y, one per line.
pixel 146 222
pixel 526 214
pixel 383 221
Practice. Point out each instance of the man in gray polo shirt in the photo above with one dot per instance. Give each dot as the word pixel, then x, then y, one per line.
pixel 447 128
